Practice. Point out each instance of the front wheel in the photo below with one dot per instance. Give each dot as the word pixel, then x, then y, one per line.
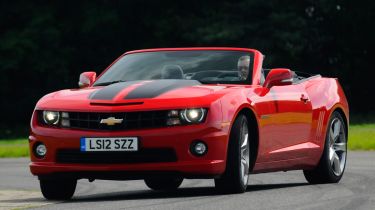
pixel 332 163
pixel 164 184
pixel 236 175
pixel 57 189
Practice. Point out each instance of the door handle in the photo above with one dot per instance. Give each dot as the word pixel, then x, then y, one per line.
pixel 304 98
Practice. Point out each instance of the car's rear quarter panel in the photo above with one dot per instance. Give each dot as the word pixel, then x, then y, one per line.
pixel 326 95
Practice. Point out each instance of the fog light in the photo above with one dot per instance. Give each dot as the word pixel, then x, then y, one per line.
pixel 198 148
pixel 40 150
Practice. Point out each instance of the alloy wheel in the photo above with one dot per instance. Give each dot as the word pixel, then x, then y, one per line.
pixel 337 146
pixel 245 153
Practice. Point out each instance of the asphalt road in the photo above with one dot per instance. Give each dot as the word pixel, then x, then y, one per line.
pixel 282 190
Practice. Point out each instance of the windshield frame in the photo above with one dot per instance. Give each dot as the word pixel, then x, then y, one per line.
pixel 250 52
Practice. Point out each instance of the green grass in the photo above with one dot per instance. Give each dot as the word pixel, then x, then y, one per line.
pixel 361 137
pixel 14 148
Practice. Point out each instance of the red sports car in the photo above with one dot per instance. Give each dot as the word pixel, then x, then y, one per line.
pixel 163 115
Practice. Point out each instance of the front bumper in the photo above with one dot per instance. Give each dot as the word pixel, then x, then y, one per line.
pixel 177 138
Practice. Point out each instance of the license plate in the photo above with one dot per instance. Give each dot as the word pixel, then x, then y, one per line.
pixel 109 144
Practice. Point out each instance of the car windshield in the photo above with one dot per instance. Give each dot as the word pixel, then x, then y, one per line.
pixel 207 66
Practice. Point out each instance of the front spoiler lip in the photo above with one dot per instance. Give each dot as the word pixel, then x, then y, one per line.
pixel 183 168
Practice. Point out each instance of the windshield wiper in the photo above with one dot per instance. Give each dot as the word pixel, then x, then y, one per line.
pixel 109 83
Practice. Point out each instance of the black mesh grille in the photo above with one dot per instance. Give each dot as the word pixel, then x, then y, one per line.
pixel 131 120
pixel 142 156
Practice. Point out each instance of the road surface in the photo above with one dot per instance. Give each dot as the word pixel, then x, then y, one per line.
pixel 281 190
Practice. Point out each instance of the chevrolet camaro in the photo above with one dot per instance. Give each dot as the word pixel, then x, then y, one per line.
pixel 162 115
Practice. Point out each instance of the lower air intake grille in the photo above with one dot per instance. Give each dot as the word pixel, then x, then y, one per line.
pixel 142 156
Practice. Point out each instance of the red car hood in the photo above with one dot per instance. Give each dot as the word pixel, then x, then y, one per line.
pixel 136 95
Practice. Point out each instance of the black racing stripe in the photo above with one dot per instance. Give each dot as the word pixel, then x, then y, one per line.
pixel 158 87
pixel 110 91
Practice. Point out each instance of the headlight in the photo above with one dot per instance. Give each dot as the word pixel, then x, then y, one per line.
pixel 51 117
pixel 186 116
pixel 193 115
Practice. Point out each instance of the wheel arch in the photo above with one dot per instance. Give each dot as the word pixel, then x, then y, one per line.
pixel 345 118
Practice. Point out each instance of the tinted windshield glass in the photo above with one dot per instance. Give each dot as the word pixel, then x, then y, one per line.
pixel 204 66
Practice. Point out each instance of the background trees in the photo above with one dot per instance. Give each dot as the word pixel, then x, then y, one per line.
pixel 45 45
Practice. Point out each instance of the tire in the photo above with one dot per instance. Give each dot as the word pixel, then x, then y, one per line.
pixel 57 189
pixel 164 184
pixel 331 166
pixel 235 177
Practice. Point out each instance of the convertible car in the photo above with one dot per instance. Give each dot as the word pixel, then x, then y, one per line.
pixel 163 115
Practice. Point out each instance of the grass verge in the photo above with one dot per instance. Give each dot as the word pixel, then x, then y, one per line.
pixel 14 148
pixel 361 137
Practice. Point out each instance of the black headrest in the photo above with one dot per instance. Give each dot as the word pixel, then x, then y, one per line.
pixel 172 72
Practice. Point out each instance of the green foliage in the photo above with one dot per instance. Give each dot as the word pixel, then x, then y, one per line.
pixel 362 137
pixel 45 45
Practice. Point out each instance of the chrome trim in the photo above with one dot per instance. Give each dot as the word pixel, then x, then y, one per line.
pixel 287 80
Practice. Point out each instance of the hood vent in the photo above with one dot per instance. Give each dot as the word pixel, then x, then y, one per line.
pixel 116 104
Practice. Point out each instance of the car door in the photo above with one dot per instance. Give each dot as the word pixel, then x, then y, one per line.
pixel 286 128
